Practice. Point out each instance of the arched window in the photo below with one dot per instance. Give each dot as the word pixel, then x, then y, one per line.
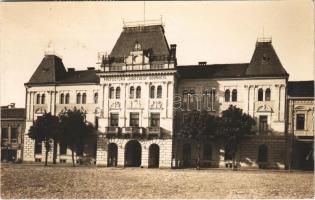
pixel 131 92
pixel 159 92
pixel 67 98
pixel 84 98
pixel 260 94
pixel 96 97
pixel 234 95
pixel 152 91
pixel 207 152
pixel 268 95
pixel 62 99
pixel 262 153
pixel 38 99
pixel 43 99
pixel 118 93
pixel 111 92
pixel 138 92
pixel 227 95
pixel 78 98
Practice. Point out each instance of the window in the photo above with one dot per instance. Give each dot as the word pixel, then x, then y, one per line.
pixel 38 147
pixel 67 98
pixel 152 91
pixel 111 92
pixel 4 136
pixel 267 94
pixel 63 149
pixel 38 99
pixel 262 153
pixel 138 92
pixel 300 121
pixel 155 120
pixel 118 93
pixel 212 94
pixel 207 152
pixel 78 98
pixel 84 98
pixel 263 124
pixel 95 97
pixel 159 92
pixel 14 135
pixel 134 119
pixel 260 94
pixel 234 95
pixel 227 95
pixel 114 119
pixel 43 99
pixel 131 92
pixel 62 99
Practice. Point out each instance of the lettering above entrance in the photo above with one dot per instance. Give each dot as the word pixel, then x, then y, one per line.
pixel 264 108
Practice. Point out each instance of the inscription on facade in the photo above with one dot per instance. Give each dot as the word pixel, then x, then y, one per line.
pixel 135 78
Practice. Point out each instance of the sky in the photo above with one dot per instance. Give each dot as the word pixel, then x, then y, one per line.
pixel 216 32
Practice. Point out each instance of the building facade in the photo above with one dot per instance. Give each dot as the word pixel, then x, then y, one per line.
pixel 301 124
pixel 133 102
pixel 12 133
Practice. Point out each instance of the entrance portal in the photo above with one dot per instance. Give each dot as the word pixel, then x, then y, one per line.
pixel 133 154
pixel 154 156
pixel 112 155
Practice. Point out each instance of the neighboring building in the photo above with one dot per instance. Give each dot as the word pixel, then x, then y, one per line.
pixel 130 101
pixel 12 130
pixel 301 124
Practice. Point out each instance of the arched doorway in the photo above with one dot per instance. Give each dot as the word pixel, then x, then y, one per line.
pixel 186 155
pixel 154 156
pixel 133 154
pixel 112 155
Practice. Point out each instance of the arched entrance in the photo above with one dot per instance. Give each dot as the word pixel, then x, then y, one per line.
pixel 133 154
pixel 154 156
pixel 186 155
pixel 112 155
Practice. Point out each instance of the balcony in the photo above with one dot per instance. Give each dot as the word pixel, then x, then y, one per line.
pixel 112 130
pixel 154 131
pixel 133 130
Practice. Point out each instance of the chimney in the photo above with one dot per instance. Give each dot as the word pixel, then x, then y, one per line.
pixel 71 69
pixel 91 68
pixel 173 50
pixel 202 63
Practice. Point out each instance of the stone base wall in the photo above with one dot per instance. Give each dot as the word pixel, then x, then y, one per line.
pixel 165 151
pixel 246 157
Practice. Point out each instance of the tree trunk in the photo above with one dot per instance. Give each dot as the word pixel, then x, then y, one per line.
pixel 198 158
pixel 46 156
pixel 72 154
pixel 47 147
pixel 55 153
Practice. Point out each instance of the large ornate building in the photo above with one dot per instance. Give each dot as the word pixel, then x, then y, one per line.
pixel 130 99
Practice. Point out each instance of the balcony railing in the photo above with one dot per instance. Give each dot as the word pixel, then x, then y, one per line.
pixel 133 130
pixel 154 131
pixel 112 130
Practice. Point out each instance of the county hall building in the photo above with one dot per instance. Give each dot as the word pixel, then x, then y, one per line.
pixel 130 100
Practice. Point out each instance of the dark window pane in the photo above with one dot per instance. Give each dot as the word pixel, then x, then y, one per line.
pixel 131 92
pixel 62 99
pixel 78 98
pixel 111 92
pixel 138 92
pixel 134 119
pixel 155 120
pixel 152 91
pixel 67 98
pixel 114 119
pixel 263 124
pixel 234 95
pixel 96 98
pixel 268 95
pixel 118 93
pixel 300 121
pixel 159 92
pixel 84 98
pixel 227 95
pixel 260 94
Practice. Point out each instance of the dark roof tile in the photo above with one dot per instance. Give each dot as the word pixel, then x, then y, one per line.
pixel 12 113
pixel 301 88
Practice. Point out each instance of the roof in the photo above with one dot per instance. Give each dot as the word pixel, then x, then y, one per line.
pixel 12 113
pixel 265 61
pixel 52 71
pixel 212 71
pixel 149 37
pixel 301 88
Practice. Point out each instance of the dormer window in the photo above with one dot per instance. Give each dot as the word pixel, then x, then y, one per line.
pixel 137 46
pixel 265 59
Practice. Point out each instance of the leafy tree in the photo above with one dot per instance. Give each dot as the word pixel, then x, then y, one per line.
pixel 198 126
pixel 45 129
pixel 233 126
pixel 75 130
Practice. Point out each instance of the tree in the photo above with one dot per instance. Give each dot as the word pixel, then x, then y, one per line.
pixel 198 126
pixel 75 130
pixel 45 129
pixel 233 127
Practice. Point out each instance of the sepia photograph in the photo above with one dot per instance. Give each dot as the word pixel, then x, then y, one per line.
pixel 157 99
